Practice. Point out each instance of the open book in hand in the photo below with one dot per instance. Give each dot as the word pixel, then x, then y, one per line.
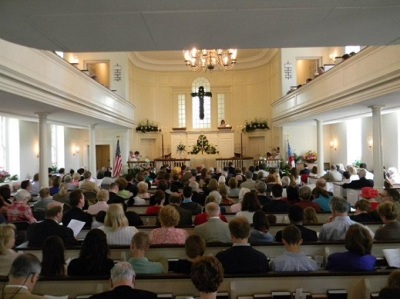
pixel 76 226
pixel 392 257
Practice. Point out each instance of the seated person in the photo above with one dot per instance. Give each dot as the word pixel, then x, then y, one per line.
pixel 259 233
pixel 358 242
pixel 362 214
pixel 292 259
pixel 93 257
pixel 7 243
pixel 296 216
pixel 214 229
pixel 337 228
pixel 195 246
pixel 391 226
pixel 24 274
pixel 38 232
pixel 123 284
pixel 77 202
pixel 278 204
pixel 207 274
pixel 321 196
pixel 241 258
pixel 140 263
pixel 392 289
pixel 360 183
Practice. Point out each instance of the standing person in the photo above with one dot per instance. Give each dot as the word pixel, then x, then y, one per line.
pixel 7 242
pixel 292 259
pixel 241 258
pixel 207 274
pixel 24 274
pixel 123 285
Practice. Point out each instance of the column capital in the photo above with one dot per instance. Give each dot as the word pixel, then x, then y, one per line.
pixel 376 107
pixel 42 115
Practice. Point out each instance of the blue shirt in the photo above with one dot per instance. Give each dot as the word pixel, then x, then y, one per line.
pixel 348 261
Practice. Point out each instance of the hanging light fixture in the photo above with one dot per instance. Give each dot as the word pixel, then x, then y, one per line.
pixel 207 60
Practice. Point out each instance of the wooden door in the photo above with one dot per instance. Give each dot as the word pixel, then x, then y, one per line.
pixel 102 156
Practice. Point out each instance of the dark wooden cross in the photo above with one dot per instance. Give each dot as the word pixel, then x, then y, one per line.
pixel 201 94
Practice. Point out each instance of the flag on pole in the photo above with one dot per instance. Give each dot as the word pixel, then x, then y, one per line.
pixel 117 161
pixel 290 155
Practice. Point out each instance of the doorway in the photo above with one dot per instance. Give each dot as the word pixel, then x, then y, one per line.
pixel 306 68
pixel 99 70
pixel 102 156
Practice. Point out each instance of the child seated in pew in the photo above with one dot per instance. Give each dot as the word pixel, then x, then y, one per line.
pixel 195 246
pixel 139 246
pixel 292 259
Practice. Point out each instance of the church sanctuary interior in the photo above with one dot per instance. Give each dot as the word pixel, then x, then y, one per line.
pixel 287 78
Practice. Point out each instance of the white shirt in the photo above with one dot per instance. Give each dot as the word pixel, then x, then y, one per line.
pixel 123 236
pixel 97 207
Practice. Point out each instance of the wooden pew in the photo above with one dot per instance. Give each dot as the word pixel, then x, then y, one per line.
pixel 358 284
pixel 281 218
pixel 178 252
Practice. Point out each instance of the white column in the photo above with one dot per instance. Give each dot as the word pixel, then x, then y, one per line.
pixel 43 146
pixel 92 150
pixel 377 146
pixel 320 147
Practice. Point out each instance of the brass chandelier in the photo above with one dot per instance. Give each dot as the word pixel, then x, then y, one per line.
pixel 206 60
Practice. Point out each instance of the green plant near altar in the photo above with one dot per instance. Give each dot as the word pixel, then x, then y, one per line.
pixel 202 145
pixel 146 125
pixel 257 123
pixel 180 148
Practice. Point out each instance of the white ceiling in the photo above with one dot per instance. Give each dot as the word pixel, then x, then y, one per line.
pixel 173 25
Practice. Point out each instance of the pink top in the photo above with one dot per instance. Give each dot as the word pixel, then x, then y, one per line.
pixel 20 212
pixel 168 235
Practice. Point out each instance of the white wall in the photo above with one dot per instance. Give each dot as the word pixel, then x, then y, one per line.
pixel 390 140
pixel 249 94
pixel 121 87
pixel 292 54
pixel 29 140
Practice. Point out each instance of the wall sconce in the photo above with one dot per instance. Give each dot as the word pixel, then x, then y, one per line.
pixel 75 61
pixel 333 145
pixel 75 151
pixel 370 142
pixel 332 56
pixel 36 149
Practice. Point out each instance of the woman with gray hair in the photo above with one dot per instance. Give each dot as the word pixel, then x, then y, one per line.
pixel 19 210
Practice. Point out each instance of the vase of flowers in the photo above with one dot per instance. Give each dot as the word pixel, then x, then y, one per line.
pixel 310 156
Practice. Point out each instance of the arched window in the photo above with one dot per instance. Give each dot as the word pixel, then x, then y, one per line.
pixel 196 121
